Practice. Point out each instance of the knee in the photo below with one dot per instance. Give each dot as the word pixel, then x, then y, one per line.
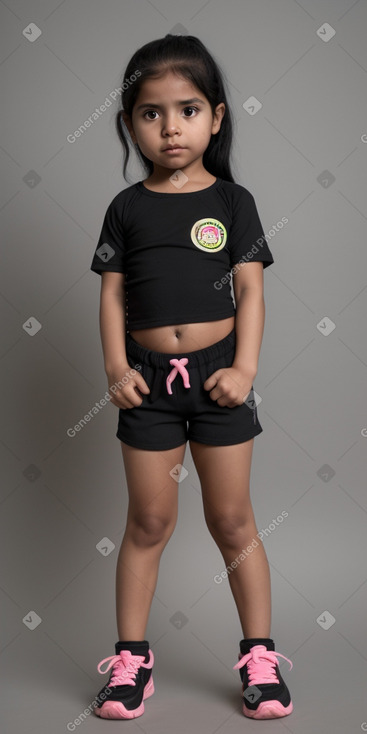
pixel 229 530
pixel 149 529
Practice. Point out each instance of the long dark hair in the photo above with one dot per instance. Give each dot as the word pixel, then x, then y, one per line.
pixel 187 57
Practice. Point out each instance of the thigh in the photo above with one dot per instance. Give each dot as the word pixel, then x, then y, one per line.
pixel 224 473
pixel 152 481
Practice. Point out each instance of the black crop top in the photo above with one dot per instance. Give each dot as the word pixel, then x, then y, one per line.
pixel 178 251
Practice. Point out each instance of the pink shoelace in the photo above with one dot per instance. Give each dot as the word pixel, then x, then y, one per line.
pixel 178 366
pixel 125 667
pixel 261 664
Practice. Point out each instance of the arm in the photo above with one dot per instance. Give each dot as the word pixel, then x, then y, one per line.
pixel 248 286
pixel 112 320
pixel 232 385
pixel 112 329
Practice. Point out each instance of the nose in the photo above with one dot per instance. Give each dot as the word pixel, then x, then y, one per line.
pixel 170 124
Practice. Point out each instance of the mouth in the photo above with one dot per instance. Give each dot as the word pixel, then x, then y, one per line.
pixel 174 149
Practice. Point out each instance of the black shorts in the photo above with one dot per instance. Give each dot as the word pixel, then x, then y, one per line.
pixel 165 421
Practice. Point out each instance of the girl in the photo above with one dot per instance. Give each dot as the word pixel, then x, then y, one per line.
pixel 181 359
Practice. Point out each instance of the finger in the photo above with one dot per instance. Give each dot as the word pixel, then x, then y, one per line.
pixel 133 399
pixel 125 400
pixel 134 390
pixel 119 402
pixel 128 405
pixel 223 402
pixel 141 384
pixel 216 394
pixel 211 381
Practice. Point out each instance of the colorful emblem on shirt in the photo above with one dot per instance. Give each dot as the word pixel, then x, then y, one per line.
pixel 209 234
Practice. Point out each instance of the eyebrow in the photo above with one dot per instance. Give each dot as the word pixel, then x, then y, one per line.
pixel 181 102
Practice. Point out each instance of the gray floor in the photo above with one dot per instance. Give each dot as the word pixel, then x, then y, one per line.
pixel 44 690
pixel 47 682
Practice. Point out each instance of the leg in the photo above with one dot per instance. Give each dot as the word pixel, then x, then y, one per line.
pixel 224 473
pixel 151 518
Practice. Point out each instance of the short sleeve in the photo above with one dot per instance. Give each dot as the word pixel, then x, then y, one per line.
pixel 110 251
pixel 247 239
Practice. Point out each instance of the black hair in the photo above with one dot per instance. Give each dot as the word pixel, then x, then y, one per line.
pixel 187 57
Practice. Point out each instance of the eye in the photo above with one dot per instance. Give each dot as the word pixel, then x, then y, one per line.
pixel 149 112
pixel 154 112
pixel 192 108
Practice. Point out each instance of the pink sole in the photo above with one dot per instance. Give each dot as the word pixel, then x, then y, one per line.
pixel 117 710
pixel 268 710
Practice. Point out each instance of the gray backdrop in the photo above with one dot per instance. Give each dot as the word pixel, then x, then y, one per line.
pixel 63 505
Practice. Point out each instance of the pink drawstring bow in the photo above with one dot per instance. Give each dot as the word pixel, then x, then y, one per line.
pixel 178 366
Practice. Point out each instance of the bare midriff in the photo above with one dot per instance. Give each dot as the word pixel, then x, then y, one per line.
pixel 183 337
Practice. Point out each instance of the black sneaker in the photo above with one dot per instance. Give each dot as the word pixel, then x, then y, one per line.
pixel 130 681
pixel 265 695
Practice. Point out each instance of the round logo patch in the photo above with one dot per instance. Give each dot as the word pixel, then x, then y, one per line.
pixel 209 234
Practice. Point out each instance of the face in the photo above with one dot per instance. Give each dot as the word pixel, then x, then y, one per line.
pixel 171 111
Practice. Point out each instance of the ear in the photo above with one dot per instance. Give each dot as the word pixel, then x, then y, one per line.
pixel 218 117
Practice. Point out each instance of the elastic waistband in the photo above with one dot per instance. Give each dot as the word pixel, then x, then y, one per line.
pixel 196 358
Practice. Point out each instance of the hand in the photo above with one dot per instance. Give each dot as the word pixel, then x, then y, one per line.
pixel 229 386
pixel 125 385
